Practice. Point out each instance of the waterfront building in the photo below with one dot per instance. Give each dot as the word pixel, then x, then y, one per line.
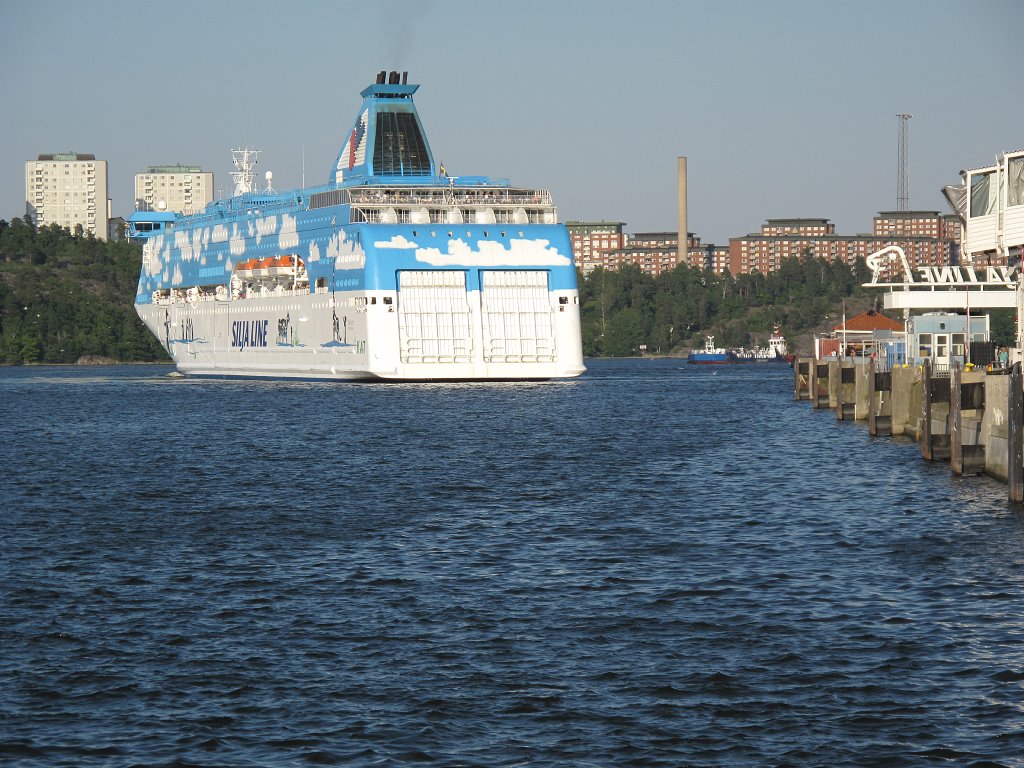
pixel 69 190
pixel 859 335
pixel 941 338
pixel 176 188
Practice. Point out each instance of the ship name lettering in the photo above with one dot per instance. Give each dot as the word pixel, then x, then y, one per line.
pixel 249 333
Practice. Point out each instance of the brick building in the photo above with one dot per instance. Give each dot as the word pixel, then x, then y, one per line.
pixel 927 237
pixel 590 239
pixel 606 244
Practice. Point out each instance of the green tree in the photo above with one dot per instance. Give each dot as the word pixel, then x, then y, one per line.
pixel 65 295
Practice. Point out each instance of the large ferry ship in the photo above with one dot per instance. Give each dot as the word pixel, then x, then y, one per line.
pixel 392 270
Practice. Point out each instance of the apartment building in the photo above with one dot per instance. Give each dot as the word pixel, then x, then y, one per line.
pixel 173 188
pixel 658 252
pixel 590 239
pixel 917 224
pixel 69 190
pixel 606 244
pixel 926 237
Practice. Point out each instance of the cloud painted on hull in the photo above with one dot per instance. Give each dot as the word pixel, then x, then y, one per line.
pixel 525 253
pixel 347 254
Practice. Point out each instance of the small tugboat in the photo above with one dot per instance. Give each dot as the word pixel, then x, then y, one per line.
pixel 711 355
pixel 777 351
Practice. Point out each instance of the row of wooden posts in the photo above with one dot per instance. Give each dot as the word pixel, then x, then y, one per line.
pixel 972 418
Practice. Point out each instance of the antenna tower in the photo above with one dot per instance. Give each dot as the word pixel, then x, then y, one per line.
pixel 245 169
pixel 903 181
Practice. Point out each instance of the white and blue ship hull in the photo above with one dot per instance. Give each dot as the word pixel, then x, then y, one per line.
pixel 388 315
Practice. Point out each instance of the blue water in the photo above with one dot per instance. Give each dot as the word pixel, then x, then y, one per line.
pixel 652 565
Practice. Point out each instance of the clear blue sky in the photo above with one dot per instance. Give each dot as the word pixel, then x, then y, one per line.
pixel 784 109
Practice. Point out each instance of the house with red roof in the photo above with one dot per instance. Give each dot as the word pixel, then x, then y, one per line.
pixel 860 334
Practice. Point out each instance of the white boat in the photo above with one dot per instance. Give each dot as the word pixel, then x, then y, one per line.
pixel 391 270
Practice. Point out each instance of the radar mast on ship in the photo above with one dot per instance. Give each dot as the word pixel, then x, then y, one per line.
pixel 244 175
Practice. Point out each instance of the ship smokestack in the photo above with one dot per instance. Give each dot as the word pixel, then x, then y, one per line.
pixel 683 248
pixel 405 78
pixel 381 76
pixel 393 78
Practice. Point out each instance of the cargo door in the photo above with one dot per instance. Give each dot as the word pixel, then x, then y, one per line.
pixel 517 317
pixel 434 324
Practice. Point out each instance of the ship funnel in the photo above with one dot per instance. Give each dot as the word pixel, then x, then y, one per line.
pixel 381 76
pixel 393 78
pixel 405 78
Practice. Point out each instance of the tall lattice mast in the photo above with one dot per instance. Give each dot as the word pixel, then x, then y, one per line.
pixel 903 180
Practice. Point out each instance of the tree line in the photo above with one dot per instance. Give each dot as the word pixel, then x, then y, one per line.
pixel 67 295
pixel 627 311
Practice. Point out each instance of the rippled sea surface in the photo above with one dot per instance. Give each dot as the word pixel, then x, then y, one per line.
pixel 652 565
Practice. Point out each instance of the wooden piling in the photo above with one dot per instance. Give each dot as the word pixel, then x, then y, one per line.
pixel 846 409
pixel 967 445
pixel 879 401
pixel 1015 419
pixel 802 378
pixel 935 416
pixel 820 384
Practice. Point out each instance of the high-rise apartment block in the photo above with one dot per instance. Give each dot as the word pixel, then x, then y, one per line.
pixel 174 188
pixel 605 244
pixel 591 239
pixel 928 238
pixel 69 190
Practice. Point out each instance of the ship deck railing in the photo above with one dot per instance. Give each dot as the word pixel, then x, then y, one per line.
pixel 183 298
pixel 386 214
pixel 506 205
pixel 444 196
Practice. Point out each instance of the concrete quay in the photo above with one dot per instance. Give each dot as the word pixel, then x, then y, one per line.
pixel 969 417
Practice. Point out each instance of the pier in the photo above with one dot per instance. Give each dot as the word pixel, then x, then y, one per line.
pixel 936 380
pixel 970 417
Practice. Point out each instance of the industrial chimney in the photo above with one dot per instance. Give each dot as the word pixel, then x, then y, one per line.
pixel 684 234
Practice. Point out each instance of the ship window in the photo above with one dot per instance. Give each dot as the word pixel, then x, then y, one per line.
pixel 387 299
pixel 399 148
pixel 983 194
pixel 1015 181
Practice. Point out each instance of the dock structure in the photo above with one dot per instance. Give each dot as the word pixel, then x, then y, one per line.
pixel 970 417
pixel 920 381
